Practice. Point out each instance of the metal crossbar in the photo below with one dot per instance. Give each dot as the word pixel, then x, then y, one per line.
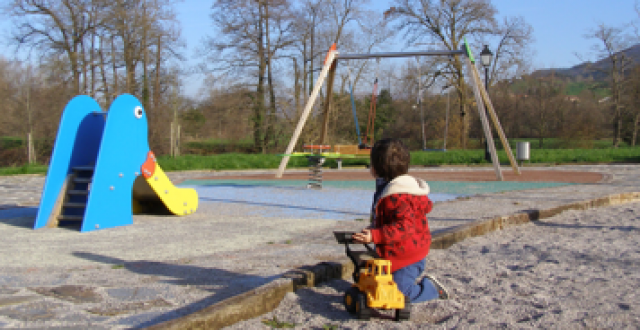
pixel 400 54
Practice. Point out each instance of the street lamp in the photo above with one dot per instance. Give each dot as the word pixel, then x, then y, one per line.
pixel 486 56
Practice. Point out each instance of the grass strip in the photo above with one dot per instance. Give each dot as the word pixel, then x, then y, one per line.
pixel 238 161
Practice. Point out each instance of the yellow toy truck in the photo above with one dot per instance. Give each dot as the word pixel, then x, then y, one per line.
pixel 373 286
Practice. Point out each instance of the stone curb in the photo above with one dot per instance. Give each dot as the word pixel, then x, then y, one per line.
pixel 267 297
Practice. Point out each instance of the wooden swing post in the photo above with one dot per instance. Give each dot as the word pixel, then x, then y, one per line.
pixel 328 63
pixel 485 122
pixel 494 118
pixel 483 98
pixel 327 104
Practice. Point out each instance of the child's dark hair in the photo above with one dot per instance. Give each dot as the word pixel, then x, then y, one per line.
pixel 390 158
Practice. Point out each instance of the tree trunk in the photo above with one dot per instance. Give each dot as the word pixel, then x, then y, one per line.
pixel 635 130
pixel 83 66
pixel 462 96
pixel 156 87
pixel 92 62
pixel 271 117
pixel 305 92
pixel 258 107
pixel 296 88
pixel 114 67
pixel 103 70
pixel 617 134
pixel 145 62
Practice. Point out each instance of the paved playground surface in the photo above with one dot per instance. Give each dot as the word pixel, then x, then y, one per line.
pixel 162 267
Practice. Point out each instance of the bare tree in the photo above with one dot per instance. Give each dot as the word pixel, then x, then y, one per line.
pixel 250 40
pixel 611 45
pixel 512 53
pixel 631 100
pixel 544 102
pixel 445 23
pixel 56 27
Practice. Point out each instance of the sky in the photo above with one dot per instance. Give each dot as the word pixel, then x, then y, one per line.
pixel 559 27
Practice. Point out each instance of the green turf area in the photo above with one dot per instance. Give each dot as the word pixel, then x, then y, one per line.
pixel 444 187
pixel 237 161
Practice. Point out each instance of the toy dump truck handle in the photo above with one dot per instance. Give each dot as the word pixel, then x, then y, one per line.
pixel 346 237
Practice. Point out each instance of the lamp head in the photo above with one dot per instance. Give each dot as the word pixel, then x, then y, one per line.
pixel 486 56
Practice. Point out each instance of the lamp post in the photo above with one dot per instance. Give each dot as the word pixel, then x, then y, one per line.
pixel 486 56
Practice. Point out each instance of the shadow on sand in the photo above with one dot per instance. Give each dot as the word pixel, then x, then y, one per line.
pixel 222 284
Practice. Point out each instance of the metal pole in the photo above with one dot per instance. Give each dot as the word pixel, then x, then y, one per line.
pixel 424 139
pixel 487 154
pixel 399 54
pixel 446 123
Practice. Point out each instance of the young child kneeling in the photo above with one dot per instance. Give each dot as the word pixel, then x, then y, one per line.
pixel 400 230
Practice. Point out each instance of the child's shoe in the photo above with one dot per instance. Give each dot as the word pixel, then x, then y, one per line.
pixel 442 291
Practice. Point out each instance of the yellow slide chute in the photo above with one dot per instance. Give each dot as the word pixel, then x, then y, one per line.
pixel 154 186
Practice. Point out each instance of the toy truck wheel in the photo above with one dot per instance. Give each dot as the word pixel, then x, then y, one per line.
pixel 405 313
pixel 362 310
pixel 350 298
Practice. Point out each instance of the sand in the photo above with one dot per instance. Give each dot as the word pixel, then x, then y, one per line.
pixel 580 269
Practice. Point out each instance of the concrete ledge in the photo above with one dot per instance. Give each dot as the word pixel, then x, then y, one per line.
pixel 235 309
pixel 267 297
pixel 443 239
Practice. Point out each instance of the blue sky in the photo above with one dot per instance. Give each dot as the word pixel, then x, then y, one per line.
pixel 559 26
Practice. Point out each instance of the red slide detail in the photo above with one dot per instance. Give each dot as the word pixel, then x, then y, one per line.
pixel 149 165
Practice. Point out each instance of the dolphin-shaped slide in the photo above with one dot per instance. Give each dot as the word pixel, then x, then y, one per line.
pixel 102 170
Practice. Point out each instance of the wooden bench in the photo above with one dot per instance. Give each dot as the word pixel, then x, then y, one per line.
pixel 351 149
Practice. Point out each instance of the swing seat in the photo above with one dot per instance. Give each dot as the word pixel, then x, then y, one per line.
pixel 351 149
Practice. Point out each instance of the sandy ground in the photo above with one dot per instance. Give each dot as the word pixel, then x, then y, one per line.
pixel 580 269
pixel 162 268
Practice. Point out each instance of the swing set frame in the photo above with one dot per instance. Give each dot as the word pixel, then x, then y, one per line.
pixel 482 99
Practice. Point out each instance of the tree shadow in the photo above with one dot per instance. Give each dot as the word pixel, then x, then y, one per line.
pixel 221 283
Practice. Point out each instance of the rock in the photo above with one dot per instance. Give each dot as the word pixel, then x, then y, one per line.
pixel 8 301
pixel 38 311
pixel 73 293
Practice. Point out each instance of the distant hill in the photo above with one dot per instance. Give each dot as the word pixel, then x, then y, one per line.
pixel 595 70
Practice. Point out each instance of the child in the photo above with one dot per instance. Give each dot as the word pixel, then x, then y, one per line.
pixel 399 228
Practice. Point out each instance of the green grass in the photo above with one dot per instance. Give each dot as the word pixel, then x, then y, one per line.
pixel 237 161
pixel 575 88
pixel 26 169
pixel 218 145
pixel 275 324
pixel 555 143
pixel 546 156
pixel 10 142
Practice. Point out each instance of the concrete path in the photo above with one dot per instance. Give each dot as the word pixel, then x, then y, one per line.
pixel 163 268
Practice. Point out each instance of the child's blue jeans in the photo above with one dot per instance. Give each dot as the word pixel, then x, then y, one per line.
pixel 406 277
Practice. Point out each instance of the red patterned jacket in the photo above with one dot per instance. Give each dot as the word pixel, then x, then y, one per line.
pixel 401 230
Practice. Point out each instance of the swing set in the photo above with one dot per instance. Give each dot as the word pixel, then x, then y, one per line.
pixel 329 71
pixel 372 111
